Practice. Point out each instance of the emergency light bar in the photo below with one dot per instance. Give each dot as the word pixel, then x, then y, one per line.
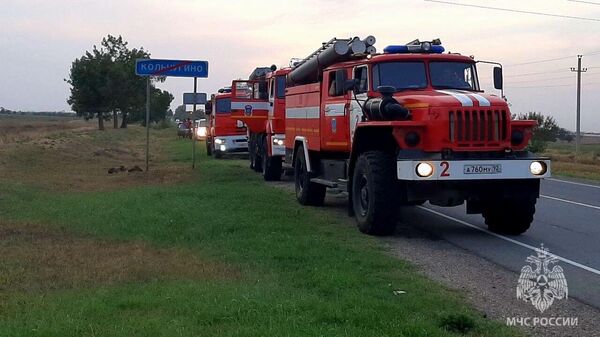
pixel 424 47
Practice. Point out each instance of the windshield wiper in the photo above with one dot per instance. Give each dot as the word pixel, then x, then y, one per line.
pixel 452 87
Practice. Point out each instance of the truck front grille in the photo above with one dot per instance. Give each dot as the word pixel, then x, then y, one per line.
pixel 478 127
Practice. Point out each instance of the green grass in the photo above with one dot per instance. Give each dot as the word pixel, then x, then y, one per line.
pixel 585 165
pixel 304 271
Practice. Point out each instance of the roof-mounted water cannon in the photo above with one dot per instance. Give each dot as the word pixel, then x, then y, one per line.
pixel 416 46
pixel 224 90
pixel 386 107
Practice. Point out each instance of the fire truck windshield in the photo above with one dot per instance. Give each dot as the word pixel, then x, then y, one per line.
pixel 400 75
pixel 453 75
pixel 412 75
pixel 223 105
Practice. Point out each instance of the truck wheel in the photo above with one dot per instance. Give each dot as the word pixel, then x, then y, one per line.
pixel 510 217
pixel 208 147
pixel 271 166
pixel 256 157
pixel 307 192
pixel 251 151
pixel 374 193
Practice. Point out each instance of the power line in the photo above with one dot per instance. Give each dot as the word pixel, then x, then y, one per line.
pixel 549 86
pixel 553 59
pixel 550 78
pixel 515 10
pixel 586 2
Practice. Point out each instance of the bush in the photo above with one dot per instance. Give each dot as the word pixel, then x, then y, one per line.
pixel 163 124
pixel 458 323
pixel 547 130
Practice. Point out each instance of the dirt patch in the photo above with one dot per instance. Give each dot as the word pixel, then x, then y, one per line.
pixel 79 159
pixel 36 259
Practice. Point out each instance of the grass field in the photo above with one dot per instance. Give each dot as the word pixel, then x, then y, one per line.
pixel 213 252
pixel 565 163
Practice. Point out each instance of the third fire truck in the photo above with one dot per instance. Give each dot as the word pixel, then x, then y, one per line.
pixel 403 127
pixel 223 134
pixel 259 102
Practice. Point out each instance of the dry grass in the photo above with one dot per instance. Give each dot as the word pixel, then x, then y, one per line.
pixel 564 161
pixel 37 259
pixel 63 154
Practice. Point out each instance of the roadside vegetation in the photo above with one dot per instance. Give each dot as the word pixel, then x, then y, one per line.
pixel 213 252
pixel 565 162
pixel 559 144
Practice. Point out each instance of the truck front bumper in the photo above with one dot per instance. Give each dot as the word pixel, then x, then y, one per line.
pixel 231 143
pixel 481 169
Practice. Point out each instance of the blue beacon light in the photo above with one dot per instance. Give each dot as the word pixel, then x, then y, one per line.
pixel 403 49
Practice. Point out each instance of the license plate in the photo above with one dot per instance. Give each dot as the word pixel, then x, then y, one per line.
pixel 483 169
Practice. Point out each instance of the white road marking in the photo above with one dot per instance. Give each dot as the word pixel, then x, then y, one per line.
pixel 571 262
pixel 573 183
pixel 570 202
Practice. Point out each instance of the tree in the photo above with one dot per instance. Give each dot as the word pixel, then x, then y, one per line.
pixel 160 101
pixel 103 81
pixel 547 130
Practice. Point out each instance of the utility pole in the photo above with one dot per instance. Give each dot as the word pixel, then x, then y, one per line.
pixel 579 70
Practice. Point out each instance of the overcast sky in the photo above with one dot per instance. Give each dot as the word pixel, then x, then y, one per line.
pixel 40 39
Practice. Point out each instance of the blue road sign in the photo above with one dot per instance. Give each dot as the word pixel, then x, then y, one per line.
pixel 178 68
pixel 198 98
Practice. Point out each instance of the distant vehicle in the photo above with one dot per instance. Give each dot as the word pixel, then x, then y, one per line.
pixel 224 134
pixel 177 120
pixel 200 127
pixel 183 131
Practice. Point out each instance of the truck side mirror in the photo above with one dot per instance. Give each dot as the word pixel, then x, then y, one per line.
pixel 340 82
pixel 498 81
pixel 350 85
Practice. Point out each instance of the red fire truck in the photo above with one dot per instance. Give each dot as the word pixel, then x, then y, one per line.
pixel 259 102
pixel 403 127
pixel 224 135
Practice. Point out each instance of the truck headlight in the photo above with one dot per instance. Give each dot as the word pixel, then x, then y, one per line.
pixel 537 168
pixel 278 142
pixel 424 170
pixel 223 148
pixel 219 141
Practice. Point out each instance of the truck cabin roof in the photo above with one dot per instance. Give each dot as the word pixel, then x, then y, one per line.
pixel 377 58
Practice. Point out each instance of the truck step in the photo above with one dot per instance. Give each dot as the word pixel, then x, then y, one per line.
pixel 325 182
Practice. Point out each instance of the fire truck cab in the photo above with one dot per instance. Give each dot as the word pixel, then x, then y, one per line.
pixel 224 134
pixel 259 102
pixel 407 126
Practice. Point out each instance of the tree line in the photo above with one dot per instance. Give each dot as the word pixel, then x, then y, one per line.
pixel 104 85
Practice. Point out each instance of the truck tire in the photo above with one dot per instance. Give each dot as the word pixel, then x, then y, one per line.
pixel 307 192
pixel 271 166
pixel 208 147
pixel 374 193
pixel 510 217
pixel 256 159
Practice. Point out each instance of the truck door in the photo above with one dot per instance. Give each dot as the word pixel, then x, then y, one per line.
pixel 334 117
pixel 361 74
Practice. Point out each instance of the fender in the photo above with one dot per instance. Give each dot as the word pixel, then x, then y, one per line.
pixel 300 139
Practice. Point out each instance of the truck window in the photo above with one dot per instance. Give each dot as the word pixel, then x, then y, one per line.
pixel 453 75
pixel 400 75
pixel 331 87
pixel 280 82
pixel 243 90
pixel 361 74
pixel 223 105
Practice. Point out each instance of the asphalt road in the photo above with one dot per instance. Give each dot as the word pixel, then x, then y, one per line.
pixel 567 222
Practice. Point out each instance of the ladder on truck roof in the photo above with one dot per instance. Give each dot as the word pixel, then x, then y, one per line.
pixel 319 51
